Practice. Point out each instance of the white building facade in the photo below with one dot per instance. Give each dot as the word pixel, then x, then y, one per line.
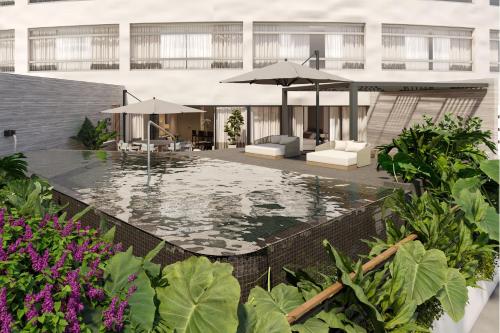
pixel 179 51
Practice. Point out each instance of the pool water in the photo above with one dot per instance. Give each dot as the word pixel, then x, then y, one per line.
pixel 209 206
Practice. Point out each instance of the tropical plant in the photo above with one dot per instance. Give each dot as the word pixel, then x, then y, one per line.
pixel 439 153
pixel 12 167
pixel 51 271
pixel 93 137
pixel 233 126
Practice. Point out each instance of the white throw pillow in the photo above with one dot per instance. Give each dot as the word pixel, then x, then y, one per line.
pixel 341 144
pixel 355 146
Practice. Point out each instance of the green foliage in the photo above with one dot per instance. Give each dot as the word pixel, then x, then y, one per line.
pixel 233 126
pixel 28 197
pixel 93 137
pixel 438 154
pixel 12 167
pixel 197 296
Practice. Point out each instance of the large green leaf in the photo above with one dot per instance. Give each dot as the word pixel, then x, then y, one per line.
pixel 404 315
pixel 336 318
pixel 201 297
pixel 282 298
pixel 491 169
pixel 252 320
pixel 117 272
pixel 424 271
pixel 312 325
pixel 476 209
pixel 454 295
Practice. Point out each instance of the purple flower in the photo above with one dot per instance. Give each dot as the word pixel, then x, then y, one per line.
pixel 44 221
pixel 29 301
pixel 14 246
pixel 28 233
pixel 38 263
pixel 109 314
pixel 58 265
pixel 48 302
pixel 74 305
pixel 131 290
pixel 68 228
pixel 95 294
pixel 118 247
pixel 132 277
pixel 19 223
pixel 3 254
pixel 5 316
pixel 79 250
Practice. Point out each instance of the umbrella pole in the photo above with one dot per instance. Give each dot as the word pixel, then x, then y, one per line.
pixel 316 53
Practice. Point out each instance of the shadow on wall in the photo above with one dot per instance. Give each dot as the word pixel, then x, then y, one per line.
pixel 391 112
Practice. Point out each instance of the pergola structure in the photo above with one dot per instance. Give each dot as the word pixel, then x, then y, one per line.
pixel 355 87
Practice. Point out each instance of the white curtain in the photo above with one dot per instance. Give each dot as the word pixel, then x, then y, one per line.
pixel 223 114
pixel 265 121
pixel 199 46
pixel 136 126
pixel 441 53
pixel 334 48
pixel 417 48
pixel 294 47
pixel 298 123
pixel 74 48
pixel 173 50
pixel 7 48
pixel 461 54
pixel 334 123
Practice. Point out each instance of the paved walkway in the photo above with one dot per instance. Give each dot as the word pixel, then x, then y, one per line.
pixel 367 175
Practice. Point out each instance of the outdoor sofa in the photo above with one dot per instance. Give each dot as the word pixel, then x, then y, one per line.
pixel 341 154
pixel 275 147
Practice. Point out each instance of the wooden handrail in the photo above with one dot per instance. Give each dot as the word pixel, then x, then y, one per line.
pixel 309 305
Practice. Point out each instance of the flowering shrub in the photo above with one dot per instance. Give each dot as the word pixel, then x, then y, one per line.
pixel 52 277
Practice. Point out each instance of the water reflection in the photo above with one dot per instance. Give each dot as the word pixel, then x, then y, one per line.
pixel 206 205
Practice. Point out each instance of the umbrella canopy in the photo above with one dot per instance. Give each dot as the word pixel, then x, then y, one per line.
pixel 153 106
pixel 285 74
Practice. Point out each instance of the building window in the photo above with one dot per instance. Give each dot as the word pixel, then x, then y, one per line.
pixel 341 45
pixel 38 1
pixel 494 2
pixel 494 51
pixel 7 50
pixel 186 45
pixel 426 48
pixel 7 2
pixel 78 48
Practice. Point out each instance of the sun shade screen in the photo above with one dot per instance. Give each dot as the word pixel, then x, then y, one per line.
pixel 341 45
pixel 7 41
pixel 187 45
pixel 494 51
pixel 426 48
pixel 78 48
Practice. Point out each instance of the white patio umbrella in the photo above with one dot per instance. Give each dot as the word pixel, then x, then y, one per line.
pixel 153 106
pixel 286 74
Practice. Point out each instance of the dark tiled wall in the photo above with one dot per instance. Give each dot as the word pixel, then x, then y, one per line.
pixel 303 249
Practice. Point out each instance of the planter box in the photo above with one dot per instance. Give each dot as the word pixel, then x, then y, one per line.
pixel 478 297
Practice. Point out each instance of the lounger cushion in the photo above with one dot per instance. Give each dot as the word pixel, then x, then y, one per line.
pixel 270 149
pixel 336 157
pixel 355 146
pixel 287 139
pixel 275 139
pixel 341 144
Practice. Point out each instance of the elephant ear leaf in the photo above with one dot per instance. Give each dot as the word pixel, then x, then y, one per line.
pixel 454 295
pixel 253 321
pixel 200 297
pixel 424 271
pixel 312 325
pixel 491 169
pixel 475 208
pixel 282 299
pixel 117 272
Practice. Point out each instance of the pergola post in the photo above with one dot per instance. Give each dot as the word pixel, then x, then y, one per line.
pixel 124 102
pixel 249 125
pixel 285 119
pixel 353 114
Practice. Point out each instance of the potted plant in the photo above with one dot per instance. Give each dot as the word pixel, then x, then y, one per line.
pixel 233 127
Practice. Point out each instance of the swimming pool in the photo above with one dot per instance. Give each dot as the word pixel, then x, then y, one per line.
pixel 206 206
